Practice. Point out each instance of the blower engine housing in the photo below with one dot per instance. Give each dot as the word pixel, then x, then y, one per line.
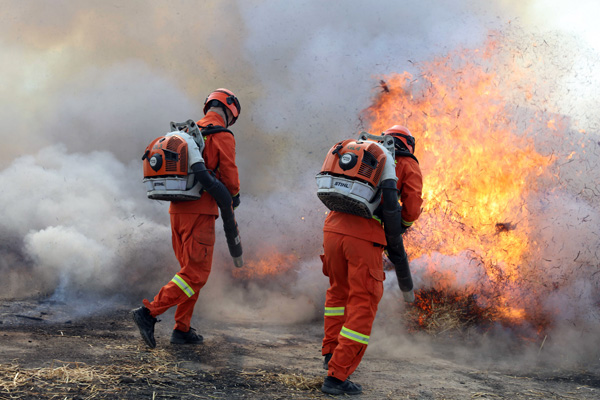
pixel 167 164
pixel 351 173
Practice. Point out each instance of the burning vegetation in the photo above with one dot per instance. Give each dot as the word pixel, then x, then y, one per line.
pixel 437 312
pixel 476 248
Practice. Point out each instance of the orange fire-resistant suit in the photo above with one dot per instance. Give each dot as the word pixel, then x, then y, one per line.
pixel 193 229
pixel 353 262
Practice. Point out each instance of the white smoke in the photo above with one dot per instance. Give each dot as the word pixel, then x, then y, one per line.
pixel 317 61
pixel 116 109
pixel 78 221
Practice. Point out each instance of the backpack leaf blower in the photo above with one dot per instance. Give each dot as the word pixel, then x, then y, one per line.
pixel 174 170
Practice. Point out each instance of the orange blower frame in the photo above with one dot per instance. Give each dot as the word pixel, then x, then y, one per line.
pixel 361 160
pixel 166 156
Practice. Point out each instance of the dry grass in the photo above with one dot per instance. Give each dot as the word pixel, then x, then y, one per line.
pixel 437 312
pixel 63 377
pixel 13 376
pixel 290 380
pixel 300 382
pixel 139 373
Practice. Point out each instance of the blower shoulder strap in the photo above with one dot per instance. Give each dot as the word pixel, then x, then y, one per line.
pixel 406 154
pixel 212 129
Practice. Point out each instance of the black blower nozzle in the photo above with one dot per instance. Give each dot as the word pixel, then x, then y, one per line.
pixel 219 192
pixel 392 225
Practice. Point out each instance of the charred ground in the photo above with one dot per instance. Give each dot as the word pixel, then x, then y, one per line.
pixel 45 354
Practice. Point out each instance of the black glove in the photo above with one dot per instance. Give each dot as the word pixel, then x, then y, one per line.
pixel 235 201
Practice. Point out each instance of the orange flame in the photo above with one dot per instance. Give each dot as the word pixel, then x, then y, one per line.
pixel 478 160
pixel 268 266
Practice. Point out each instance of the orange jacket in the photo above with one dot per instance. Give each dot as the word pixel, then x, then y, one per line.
pixel 219 156
pixel 352 225
pixel 410 185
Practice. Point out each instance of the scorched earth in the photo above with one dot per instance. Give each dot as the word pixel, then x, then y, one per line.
pixel 45 354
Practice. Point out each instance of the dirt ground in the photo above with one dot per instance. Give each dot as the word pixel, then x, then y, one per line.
pixel 46 354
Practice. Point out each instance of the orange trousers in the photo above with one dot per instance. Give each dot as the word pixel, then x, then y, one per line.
pixel 355 270
pixel 193 237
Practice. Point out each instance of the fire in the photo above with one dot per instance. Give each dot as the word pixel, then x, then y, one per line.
pixel 268 266
pixel 479 165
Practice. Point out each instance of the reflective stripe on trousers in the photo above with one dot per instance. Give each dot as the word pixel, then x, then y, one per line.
pixel 353 335
pixel 334 311
pixel 183 285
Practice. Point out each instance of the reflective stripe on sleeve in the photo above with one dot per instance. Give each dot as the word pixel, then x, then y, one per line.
pixel 353 335
pixel 334 311
pixel 183 285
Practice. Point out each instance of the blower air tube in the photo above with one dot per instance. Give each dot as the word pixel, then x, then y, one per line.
pixel 219 192
pixel 392 224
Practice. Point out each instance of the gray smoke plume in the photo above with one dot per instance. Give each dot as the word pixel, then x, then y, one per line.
pixel 88 85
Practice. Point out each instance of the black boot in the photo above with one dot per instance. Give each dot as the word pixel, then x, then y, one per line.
pixel 333 385
pixel 189 337
pixel 326 361
pixel 145 323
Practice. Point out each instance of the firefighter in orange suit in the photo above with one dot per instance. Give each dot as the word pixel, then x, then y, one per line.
pixel 193 226
pixel 352 259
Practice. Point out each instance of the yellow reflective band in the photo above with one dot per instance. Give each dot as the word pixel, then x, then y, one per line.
pixel 334 311
pixel 353 335
pixel 183 285
pixel 408 223
pixel 377 219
